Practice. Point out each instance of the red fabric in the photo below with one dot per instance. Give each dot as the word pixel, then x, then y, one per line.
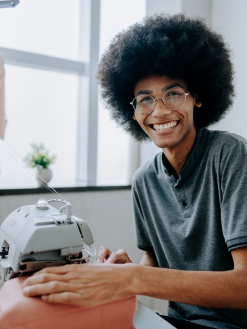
pixel 19 312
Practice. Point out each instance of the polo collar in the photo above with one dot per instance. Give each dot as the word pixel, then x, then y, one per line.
pixel 194 157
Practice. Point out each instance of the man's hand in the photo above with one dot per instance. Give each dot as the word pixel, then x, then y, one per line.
pixel 84 285
pixel 90 285
pixel 106 256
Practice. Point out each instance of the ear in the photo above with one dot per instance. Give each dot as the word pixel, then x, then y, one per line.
pixel 134 117
pixel 197 102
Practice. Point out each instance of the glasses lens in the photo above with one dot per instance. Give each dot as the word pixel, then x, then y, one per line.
pixel 143 104
pixel 174 98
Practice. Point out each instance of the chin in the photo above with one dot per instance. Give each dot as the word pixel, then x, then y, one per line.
pixel 165 141
pixel 164 144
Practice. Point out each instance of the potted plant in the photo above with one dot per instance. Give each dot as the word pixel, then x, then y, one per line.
pixel 39 158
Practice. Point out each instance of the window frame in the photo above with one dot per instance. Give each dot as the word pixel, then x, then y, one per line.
pixel 87 118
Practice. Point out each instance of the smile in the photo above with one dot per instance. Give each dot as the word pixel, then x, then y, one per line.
pixel 164 126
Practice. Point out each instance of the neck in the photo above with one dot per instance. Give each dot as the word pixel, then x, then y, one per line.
pixel 178 154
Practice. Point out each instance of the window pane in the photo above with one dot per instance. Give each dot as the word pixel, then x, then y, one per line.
pixel 113 143
pixel 41 106
pixel 42 26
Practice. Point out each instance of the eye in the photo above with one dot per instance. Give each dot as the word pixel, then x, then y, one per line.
pixel 144 100
pixel 174 94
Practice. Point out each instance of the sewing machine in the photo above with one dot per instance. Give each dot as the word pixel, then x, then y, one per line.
pixel 38 236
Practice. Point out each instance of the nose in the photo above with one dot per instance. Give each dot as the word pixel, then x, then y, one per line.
pixel 160 110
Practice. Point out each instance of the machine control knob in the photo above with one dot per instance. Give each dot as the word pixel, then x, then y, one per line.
pixel 42 204
pixel 4 252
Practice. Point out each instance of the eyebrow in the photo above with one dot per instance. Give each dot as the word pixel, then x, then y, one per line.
pixel 147 92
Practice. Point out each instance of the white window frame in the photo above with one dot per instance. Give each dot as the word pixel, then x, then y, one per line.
pixel 87 123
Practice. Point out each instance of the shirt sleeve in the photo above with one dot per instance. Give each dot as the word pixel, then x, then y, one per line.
pixel 233 168
pixel 142 236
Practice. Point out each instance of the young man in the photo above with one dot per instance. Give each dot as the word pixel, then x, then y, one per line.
pixel 190 201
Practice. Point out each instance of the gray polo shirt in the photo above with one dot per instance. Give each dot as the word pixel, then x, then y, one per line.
pixel 194 222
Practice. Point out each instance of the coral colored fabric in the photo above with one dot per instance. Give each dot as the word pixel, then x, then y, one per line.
pixel 19 312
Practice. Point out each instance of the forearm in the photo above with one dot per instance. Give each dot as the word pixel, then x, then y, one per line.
pixel 208 289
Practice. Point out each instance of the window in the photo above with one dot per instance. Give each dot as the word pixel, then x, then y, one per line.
pixel 42 107
pixel 42 26
pixel 40 41
pixel 51 94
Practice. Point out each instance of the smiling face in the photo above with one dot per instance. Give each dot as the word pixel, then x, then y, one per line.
pixel 167 128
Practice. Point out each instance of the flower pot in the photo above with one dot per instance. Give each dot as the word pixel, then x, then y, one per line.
pixel 46 174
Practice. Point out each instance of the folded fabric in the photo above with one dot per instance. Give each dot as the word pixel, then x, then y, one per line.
pixel 20 312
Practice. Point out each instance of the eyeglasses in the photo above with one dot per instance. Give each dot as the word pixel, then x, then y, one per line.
pixel 173 99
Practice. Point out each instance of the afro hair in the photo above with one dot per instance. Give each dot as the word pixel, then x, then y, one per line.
pixel 174 46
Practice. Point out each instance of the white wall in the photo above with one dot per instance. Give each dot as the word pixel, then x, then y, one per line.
pixel 163 6
pixel 194 8
pixel 109 215
pixel 229 19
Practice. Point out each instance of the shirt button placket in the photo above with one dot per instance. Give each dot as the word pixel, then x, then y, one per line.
pixel 182 199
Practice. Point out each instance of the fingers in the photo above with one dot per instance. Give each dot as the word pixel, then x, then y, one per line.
pixel 119 257
pixel 61 269
pixel 48 288
pixel 59 273
pixel 103 254
pixel 113 258
pixel 42 278
pixel 63 298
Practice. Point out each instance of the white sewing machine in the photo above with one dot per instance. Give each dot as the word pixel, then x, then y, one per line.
pixel 37 236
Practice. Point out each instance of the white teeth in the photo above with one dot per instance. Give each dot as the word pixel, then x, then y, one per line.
pixel 165 126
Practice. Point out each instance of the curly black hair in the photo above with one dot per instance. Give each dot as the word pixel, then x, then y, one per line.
pixel 174 46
